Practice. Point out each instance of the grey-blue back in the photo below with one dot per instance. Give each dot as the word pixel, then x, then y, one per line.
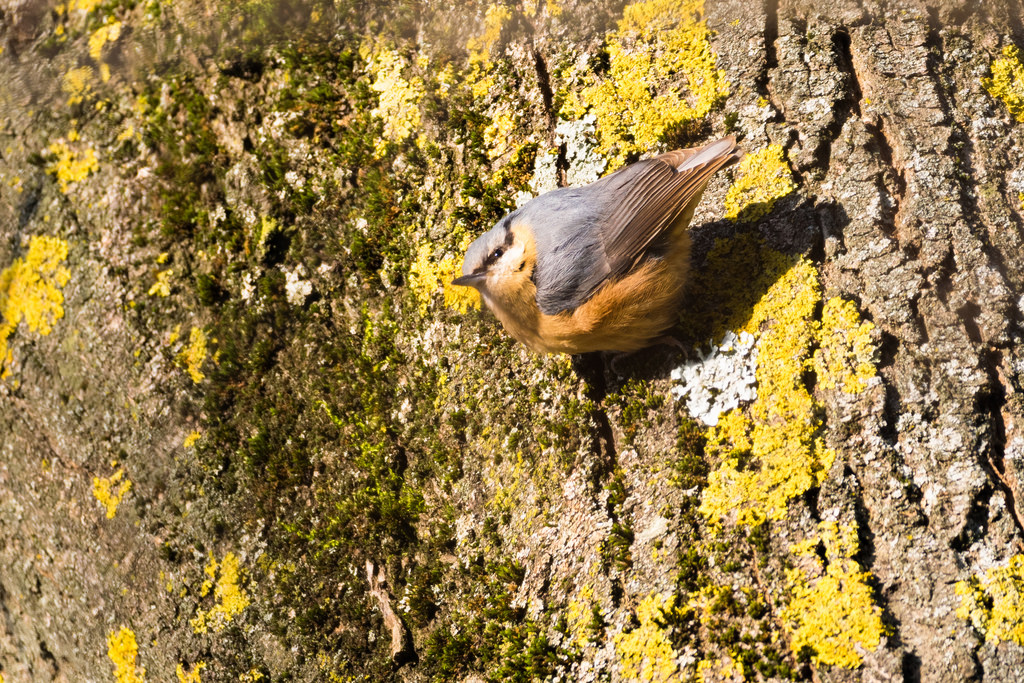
pixel 571 263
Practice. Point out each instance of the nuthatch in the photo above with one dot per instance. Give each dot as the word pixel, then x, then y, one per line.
pixel 600 267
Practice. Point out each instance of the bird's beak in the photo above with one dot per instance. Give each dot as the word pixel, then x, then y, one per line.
pixel 472 280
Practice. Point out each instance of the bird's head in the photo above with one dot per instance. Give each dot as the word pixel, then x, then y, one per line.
pixel 497 258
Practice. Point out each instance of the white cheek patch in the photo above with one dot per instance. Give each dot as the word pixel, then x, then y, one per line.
pixel 511 259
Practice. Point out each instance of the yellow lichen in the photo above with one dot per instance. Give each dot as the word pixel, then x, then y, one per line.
pixel 718 670
pixel 191 439
pixel 162 286
pixel 398 97
pixel 174 335
pixel 994 602
pixel 480 46
pixel 481 69
pixel 446 77
pixel 84 5
pixel 30 291
pixel 191 676
pixel 846 353
pixel 231 598
pixel 194 354
pixel 77 84
pixel 70 165
pixel 426 275
pixel 1007 82
pixel 657 42
pixel 646 653
pixel 772 451
pixel 498 135
pixel 109 492
pixel 764 179
pixel 268 227
pixel 123 652
pixel 833 614
pixel 108 33
pixel 579 615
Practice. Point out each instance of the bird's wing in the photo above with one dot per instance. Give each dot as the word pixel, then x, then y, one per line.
pixel 647 198
pixel 589 234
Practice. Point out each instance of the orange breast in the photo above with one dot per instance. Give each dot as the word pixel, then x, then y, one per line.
pixel 623 315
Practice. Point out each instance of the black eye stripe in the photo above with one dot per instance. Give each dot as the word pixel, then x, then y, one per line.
pixel 495 255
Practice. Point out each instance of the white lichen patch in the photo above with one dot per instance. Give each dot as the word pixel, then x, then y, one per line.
pixel 248 288
pixel 584 164
pixel 296 289
pixel 720 380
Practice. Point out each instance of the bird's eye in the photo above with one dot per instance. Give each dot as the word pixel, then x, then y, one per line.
pixel 497 253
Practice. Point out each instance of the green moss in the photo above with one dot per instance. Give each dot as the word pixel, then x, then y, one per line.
pixel 1007 81
pixel 994 602
pixel 497 639
pixel 637 400
pixel 188 153
pixel 689 466
pixel 208 290
pixel 616 550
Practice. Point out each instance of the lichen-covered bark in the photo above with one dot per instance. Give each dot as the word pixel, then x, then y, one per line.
pixel 250 431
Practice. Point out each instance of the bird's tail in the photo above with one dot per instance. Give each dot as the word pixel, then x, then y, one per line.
pixel 726 147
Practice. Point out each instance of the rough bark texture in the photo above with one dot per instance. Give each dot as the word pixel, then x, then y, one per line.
pixel 339 472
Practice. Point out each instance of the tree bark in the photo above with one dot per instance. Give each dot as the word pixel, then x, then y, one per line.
pixel 255 395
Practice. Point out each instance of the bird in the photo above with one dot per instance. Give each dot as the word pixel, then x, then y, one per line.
pixel 601 267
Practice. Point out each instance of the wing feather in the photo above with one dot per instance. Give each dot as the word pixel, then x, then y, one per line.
pixel 604 229
pixel 656 197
